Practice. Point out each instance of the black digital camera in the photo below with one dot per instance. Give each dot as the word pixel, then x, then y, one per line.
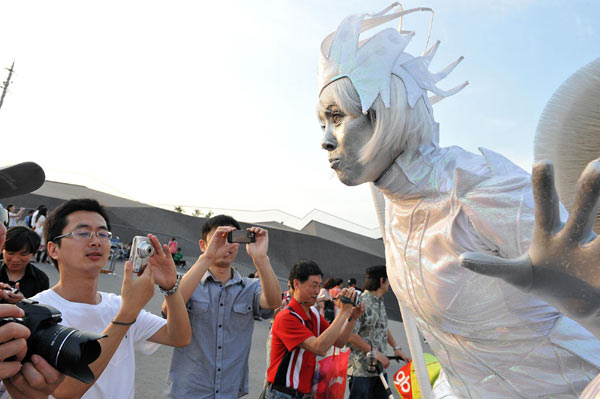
pixel 357 299
pixel 241 237
pixel 68 350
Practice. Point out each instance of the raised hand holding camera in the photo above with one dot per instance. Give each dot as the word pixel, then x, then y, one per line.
pixel 241 237
pixel 148 251
pixel 135 293
pixel 218 246
pixel 258 249
pixel 162 264
pixel 141 251
pixel 355 300
pixel 347 299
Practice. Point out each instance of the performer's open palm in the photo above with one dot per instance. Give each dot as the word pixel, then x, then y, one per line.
pixel 562 264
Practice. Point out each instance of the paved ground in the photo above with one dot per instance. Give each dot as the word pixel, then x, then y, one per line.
pixel 151 371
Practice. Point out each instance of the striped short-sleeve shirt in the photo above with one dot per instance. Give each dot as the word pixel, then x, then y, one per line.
pixel 291 366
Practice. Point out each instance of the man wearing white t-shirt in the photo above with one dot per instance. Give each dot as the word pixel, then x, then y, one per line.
pixel 78 236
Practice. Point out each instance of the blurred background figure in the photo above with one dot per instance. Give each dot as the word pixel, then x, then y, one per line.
pixel 325 302
pixel 14 216
pixel 173 245
pixel 37 224
pixel 178 258
pixel 337 288
pixel 28 218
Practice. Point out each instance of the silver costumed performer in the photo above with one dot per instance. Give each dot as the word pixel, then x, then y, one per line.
pixel 493 340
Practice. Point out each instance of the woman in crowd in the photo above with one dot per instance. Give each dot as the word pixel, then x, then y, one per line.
pixel 337 288
pixel 17 271
pixel 38 226
pixel 14 216
pixel 325 302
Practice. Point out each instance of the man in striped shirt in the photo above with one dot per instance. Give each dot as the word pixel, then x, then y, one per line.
pixel 299 333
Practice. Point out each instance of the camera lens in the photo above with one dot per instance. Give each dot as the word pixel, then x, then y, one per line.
pixel 145 250
pixel 68 350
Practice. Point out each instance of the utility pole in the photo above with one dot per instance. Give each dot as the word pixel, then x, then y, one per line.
pixel 6 83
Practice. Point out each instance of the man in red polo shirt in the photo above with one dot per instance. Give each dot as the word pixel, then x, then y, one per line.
pixel 299 333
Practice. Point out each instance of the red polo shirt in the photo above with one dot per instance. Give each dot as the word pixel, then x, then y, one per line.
pixel 291 366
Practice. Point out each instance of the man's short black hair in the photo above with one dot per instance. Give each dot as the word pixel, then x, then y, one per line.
pixel 351 282
pixel 57 220
pixel 303 269
pixel 216 221
pixel 20 238
pixel 374 276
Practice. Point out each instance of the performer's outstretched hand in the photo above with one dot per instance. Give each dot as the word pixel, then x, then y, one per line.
pixel 562 264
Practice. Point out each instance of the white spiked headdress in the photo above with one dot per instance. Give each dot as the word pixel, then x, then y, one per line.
pixel 370 63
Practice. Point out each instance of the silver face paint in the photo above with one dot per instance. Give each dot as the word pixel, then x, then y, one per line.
pixel 344 136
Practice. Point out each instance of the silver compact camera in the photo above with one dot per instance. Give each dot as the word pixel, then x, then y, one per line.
pixel 141 251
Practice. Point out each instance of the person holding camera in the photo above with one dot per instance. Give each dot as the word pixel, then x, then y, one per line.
pixel 221 306
pixel 371 334
pixel 17 270
pixel 34 379
pixel 78 236
pixel 300 332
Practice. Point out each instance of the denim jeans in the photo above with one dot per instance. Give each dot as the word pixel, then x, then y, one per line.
pixel 366 388
pixel 272 394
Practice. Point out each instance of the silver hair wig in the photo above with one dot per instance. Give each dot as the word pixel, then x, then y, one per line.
pixel 398 126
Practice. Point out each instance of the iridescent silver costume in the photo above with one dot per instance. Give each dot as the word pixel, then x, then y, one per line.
pixel 493 340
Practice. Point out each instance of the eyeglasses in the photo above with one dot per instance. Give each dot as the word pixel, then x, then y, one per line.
pixel 4 216
pixel 102 235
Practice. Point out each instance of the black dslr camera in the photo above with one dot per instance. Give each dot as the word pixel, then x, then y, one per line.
pixel 68 350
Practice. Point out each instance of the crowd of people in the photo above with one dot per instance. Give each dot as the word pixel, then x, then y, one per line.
pixel 482 257
pixel 208 313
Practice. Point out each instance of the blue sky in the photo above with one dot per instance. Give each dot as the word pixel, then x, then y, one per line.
pixel 213 104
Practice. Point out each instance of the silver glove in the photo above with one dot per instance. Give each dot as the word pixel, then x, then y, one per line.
pixel 560 266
